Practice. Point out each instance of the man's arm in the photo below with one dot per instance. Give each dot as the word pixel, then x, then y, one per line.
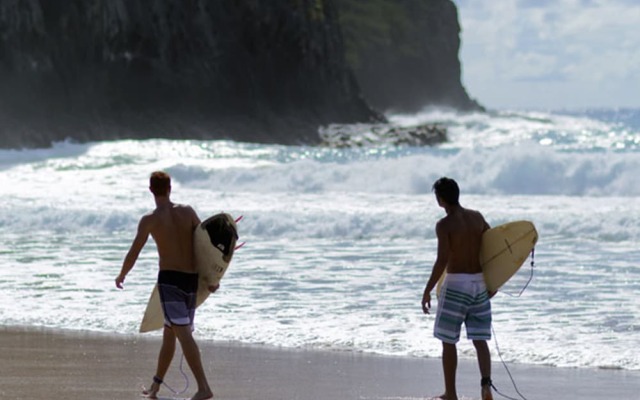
pixel 486 225
pixel 438 267
pixel 195 221
pixel 485 228
pixel 138 243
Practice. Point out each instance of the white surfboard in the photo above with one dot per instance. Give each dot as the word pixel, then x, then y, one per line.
pixel 214 242
pixel 503 251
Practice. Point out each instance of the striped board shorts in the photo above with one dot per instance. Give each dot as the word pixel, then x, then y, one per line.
pixel 178 291
pixel 463 299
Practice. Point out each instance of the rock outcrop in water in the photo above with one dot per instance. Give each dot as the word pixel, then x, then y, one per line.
pixel 371 135
pixel 266 71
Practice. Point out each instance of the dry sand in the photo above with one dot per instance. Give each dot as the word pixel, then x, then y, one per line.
pixel 69 365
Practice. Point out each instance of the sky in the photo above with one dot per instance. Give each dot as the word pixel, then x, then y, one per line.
pixel 551 54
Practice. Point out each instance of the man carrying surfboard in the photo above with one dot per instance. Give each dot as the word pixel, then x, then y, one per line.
pixel 171 226
pixel 463 297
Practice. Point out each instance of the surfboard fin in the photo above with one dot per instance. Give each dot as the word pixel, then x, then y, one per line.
pixel 243 243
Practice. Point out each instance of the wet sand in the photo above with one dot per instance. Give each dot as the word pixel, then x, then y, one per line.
pixel 53 364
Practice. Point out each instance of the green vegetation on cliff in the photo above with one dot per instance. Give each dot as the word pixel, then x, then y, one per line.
pixel 404 52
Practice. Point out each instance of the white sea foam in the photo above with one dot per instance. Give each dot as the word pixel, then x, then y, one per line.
pixel 340 242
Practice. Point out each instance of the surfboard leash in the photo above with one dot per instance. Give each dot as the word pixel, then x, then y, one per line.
pixel 184 375
pixel 526 285
pixel 495 338
pixel 513 382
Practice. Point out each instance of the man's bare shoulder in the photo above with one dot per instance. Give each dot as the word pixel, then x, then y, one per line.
pixel 474 213
pixel 148 220
pixel 186 212
pixel 477 217
pixel 444 224
pixel 149 215
pixel 185 209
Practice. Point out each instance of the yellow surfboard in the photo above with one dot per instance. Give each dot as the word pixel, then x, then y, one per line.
pixel 503 251
pixel 214 242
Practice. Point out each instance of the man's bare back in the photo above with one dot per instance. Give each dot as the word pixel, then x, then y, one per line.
pixel 171 227
pixel 461 230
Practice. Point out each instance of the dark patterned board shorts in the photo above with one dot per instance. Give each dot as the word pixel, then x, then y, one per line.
pixel 178 291
pixel 463 300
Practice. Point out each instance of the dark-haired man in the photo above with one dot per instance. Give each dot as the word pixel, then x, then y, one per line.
pixel 171 226
pixel 463 297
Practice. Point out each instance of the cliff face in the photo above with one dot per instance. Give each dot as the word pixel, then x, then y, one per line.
pixel 105 69
pixel 405 53
pixel 266 71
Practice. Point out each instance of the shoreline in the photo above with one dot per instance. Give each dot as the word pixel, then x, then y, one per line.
pixel 69 364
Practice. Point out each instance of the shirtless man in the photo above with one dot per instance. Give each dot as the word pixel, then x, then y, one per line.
pixel 463 296
pixel 171 226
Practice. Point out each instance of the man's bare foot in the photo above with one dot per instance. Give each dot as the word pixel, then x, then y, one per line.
pixel 444 396
pixel 152 392
pixel 485 393
pixel 203 395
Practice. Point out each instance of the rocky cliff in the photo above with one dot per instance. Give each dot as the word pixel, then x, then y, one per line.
pixel 266 71
pixel 405 53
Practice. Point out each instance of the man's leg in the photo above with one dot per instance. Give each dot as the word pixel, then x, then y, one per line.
pixel 449 366
pixel 484 362
pixel 167 351
pixel 192 355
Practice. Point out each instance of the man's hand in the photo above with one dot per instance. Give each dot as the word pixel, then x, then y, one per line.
pixel 120 281
pixel 426 302
pixel 213 288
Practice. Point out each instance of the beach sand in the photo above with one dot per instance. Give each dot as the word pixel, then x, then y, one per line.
pixel 52 364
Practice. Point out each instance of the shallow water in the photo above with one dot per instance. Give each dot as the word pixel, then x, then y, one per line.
pixel 341 242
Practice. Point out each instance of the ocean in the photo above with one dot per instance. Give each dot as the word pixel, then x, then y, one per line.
pixel 340 242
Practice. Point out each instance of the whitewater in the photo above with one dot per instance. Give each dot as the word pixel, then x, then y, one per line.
pixel 340 242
